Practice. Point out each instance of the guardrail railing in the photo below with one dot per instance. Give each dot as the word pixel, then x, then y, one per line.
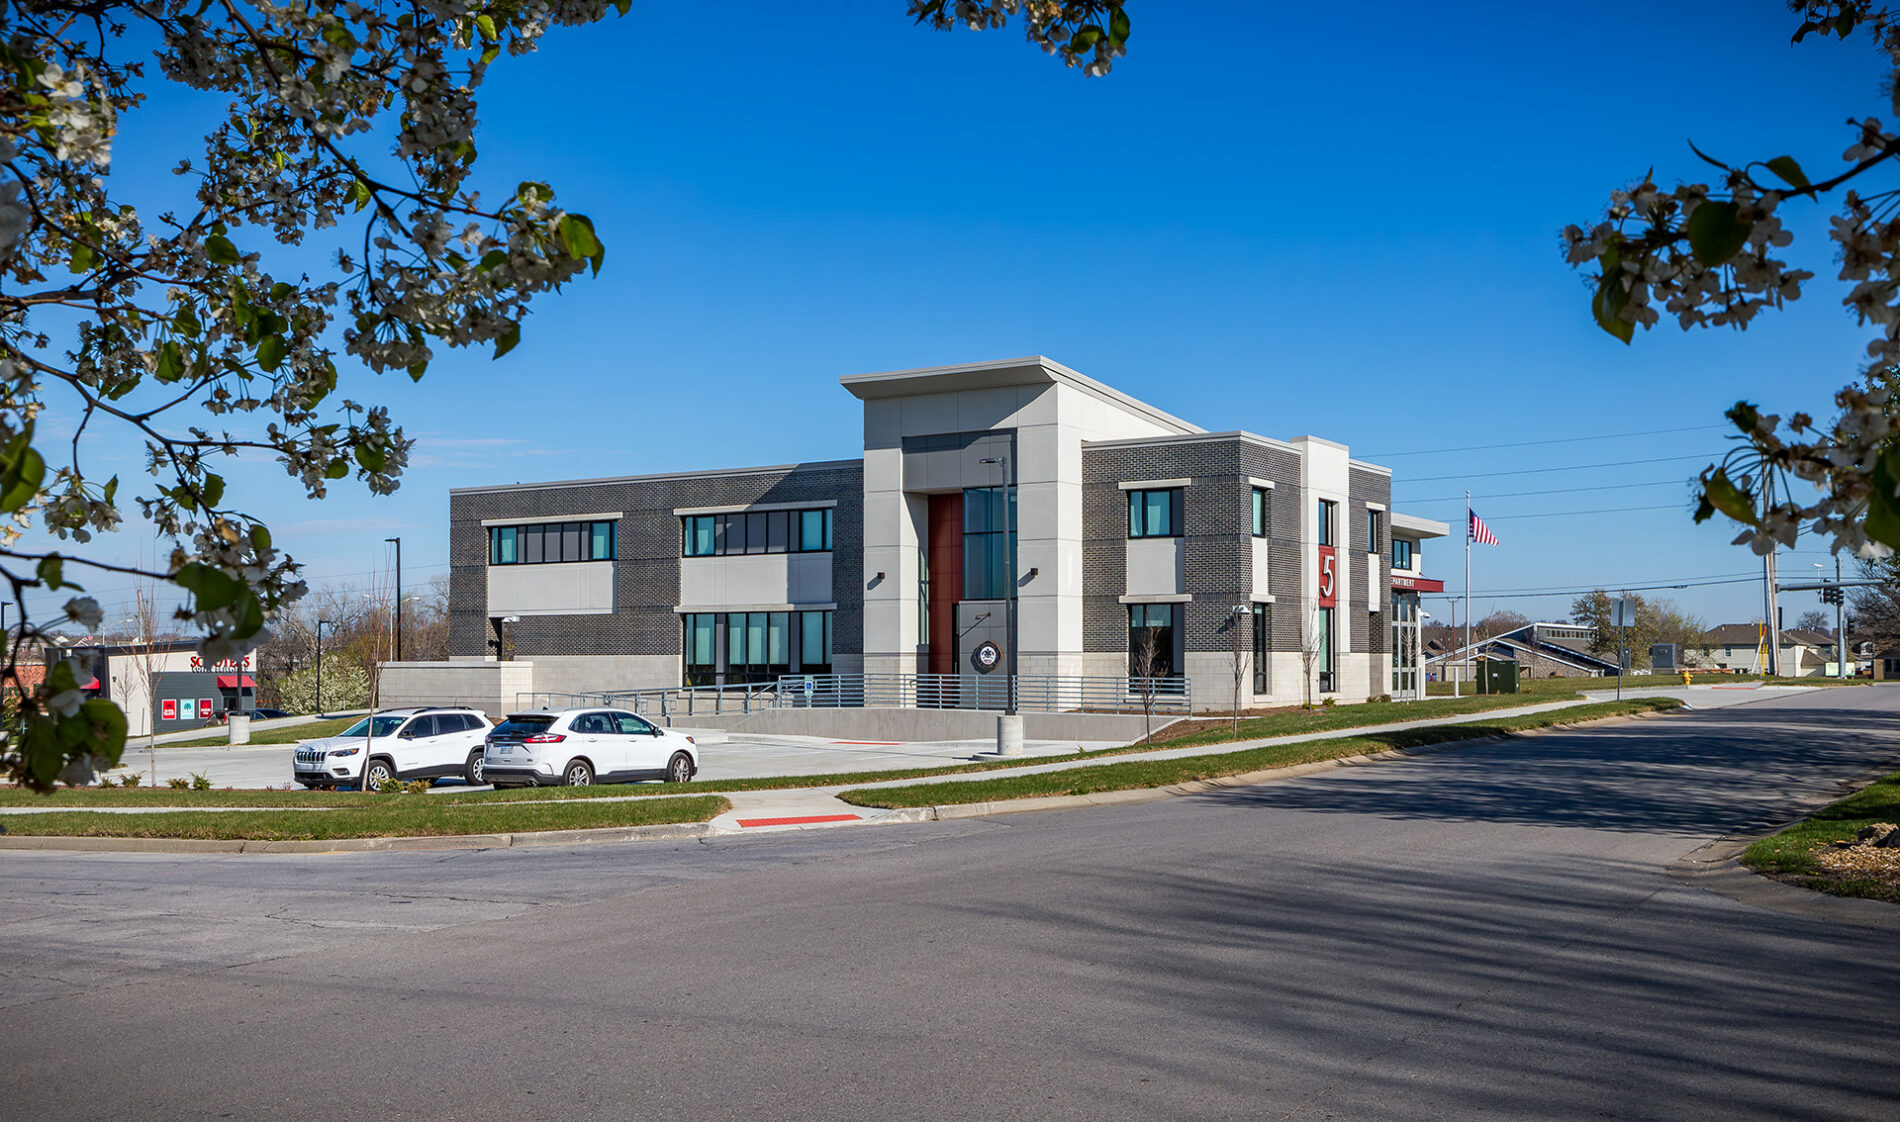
pixel 666 705
pixel 1035 693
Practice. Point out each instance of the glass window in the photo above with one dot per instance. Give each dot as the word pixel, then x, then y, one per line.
pixel 1401 553
pixel 1154 514
pixel 697 531
pixel 814 642
pixel 531 545
pixel 501 546
pixel 1262 509
pixel 1372 531
pixel 1262 632
pixel 1326 521
pixel 778 534
pixel 559 541
pixel 754 532
pixel 811 530
pixel 778 641
pixel 988 516
pixel 571 541
pixel 1151 640
pixel 1326 677
pixel 603 542
pixel 421 726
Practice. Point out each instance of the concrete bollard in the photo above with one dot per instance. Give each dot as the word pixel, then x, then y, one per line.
pixel 1009 734
pixel 240 724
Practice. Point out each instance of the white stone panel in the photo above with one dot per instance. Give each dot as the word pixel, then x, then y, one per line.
pixel 574 588
pixel 763 578
pixel 1262 572
pixel 1156 566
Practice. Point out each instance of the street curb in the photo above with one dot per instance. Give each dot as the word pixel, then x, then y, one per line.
pixel 947 812
pixel 684 830
pixel 665 832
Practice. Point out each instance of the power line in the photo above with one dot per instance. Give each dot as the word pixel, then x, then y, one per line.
pixel 1534 443
pixel 1524 594
pixel 1553 491
pixel 1581 513
pixel 1539 471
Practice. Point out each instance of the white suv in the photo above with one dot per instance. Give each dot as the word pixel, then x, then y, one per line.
pixel 576 747
pixel 430 743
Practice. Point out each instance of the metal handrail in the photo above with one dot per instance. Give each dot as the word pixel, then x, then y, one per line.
pixel 665 704
pixel 1035 693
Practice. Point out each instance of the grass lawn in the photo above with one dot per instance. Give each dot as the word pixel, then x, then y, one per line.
pixel 290 735
pixel 376 817
pixel 1283 723
pixel 1551 687
pixel 1138 774
pixel 1797 853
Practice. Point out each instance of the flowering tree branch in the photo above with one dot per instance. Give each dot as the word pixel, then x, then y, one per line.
pixel 1709 257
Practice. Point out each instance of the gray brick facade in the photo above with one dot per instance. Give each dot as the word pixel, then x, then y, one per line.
pixel 1371 487
pixel 647 568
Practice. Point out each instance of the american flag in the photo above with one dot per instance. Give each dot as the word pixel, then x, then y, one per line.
pixel 1481 533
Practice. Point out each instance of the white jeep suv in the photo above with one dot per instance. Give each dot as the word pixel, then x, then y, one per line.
pixel 576 747
pixel 429 743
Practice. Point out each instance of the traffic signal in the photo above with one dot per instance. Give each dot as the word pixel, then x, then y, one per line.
pixel 1830 595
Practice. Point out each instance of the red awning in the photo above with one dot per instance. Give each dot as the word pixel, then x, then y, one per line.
pixel 233 681
pixel 92 685
pixel 1417 584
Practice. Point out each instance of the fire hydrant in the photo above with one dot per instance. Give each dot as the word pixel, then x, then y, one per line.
pixel 1685 677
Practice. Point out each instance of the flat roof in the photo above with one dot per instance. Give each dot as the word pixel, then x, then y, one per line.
pixel 1423 527
pixel 1031 370
pixel 815 465
pixel 1194 438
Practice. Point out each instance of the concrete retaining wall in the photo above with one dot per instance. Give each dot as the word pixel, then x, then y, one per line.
pixel 905 725
pixel 488 686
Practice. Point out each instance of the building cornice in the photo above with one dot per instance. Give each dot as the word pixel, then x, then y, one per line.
pixel 661 477
pixel 1031 370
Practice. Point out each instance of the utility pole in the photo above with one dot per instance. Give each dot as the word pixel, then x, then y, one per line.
pixel 1840 623
pixel 398 542
pixel 320 624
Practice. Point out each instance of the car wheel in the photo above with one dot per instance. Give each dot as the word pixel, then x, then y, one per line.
pixel 473 772
pixel 679 769
pixel 376 773
pixel 579 773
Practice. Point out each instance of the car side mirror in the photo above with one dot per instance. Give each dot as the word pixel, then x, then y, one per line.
pixel 407 734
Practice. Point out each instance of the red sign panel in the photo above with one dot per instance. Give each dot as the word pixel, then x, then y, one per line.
pixel 168 709
pixel 1417 584
pixel 1328 577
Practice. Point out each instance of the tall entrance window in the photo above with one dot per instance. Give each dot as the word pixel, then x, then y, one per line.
pixel 1262 629
pixel 1151 640
pixel 702 666
pixel 989 522
pixel 1326 509
pixel 1328 681
pixel 1404 643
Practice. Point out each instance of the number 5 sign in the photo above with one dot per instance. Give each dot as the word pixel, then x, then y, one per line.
pixel 1328 577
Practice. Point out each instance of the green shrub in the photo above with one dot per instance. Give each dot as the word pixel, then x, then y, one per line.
pixel 200 781
pixel 178 783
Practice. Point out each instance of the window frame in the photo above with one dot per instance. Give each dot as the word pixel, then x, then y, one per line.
pixel 1410 552
pixel 532 542
pixel 1262 512
pixel 1327 516
pixel 754 532
pixel 1138 509
pixel 1374 523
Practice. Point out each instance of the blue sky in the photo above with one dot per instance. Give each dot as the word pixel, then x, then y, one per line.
pixel 1268 217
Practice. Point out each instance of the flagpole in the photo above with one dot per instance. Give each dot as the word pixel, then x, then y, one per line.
pixel 1468 536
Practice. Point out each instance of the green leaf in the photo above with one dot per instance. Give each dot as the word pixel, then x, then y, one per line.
pixel 577 234
pixel 491 259
pixel 1883 506
pixel 372 459
pixel 1744 416
pixel 486 25
pixel 417 370
pixel 338 468
pixel 1084 38
pixel 270 353
pixel 105 725
pixel 112 489
pixel 49 571
pixel 213 587
pixel 508 342
pixel 1720 492
pixel 250 617
pixel 1716 232
pixel 360 191
pixel 171 362
pixel 1610 297
pixel 1118 27
pixel 21 471
pixel 260 538
pixel 83 258
pixel 492 51
pixel 212 490
pixel 220 251
pixel 1787 169
pixel 186 322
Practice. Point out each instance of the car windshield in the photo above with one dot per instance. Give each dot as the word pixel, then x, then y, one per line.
pixel 384 726
pixel 523 726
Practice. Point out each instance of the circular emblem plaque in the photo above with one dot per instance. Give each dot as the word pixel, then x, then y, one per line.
pixel 986 657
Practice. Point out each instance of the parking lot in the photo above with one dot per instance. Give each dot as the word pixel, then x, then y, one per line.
pixel 721 757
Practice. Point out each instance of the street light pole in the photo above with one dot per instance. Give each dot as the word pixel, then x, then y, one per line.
pixel 398 542
pixel 320 624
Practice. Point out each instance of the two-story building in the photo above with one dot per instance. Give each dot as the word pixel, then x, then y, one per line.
pixel 1117 538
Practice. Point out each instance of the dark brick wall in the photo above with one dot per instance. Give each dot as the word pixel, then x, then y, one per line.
pixel 646 574
pixel 1217 529
pixel 1370 487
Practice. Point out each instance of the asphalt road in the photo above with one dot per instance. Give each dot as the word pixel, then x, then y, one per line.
pixel 1487 933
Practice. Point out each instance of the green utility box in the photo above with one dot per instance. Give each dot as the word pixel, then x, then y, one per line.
pixel 1497 675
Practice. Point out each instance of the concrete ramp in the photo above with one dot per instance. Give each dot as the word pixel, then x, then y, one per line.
pixel 913 725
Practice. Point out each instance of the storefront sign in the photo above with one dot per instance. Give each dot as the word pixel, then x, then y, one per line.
pixel 1328 577
pixel 198 663
pixel 1417 584
pixel 168 709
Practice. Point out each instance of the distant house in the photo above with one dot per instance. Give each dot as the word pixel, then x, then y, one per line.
pixel 1542 650
pixel 1739 646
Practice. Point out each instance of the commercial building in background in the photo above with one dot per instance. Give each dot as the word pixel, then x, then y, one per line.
pixel 1131 538
pixel 163 686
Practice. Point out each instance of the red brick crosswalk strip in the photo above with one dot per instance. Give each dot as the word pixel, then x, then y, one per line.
pixel 798 821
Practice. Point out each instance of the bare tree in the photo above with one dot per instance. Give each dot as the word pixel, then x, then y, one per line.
pixel 1311 642
pixel 1241 650
pixel 143 667
pixel 1145 662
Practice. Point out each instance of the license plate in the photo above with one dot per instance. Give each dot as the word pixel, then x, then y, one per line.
pixel 504 748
